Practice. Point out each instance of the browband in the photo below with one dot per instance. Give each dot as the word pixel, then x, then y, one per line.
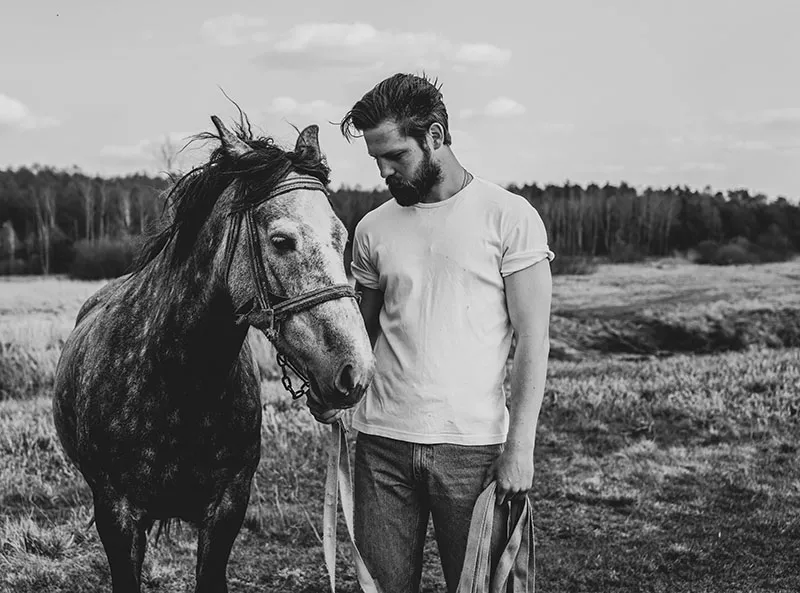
pixel 301 182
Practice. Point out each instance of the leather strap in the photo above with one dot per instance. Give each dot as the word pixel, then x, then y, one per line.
pixel 516 569
pixel 339 478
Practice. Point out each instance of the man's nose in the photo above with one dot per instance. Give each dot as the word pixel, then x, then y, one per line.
pixel 385 169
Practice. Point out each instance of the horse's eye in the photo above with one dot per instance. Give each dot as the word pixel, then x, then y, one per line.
pixel 282 243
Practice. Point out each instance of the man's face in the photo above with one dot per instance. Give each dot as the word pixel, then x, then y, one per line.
pixel 410 172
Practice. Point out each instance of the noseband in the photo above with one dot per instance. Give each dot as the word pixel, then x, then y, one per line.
pixel 266 310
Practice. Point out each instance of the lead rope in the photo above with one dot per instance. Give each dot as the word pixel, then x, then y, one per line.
pixel 516 569
pixel 339 479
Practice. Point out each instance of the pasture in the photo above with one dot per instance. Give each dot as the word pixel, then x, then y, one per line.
pixel 667 455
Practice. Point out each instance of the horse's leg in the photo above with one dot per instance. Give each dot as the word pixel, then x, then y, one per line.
pixel 217 533
pixel 124 539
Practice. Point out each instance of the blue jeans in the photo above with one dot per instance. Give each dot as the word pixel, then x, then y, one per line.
pixel 397 486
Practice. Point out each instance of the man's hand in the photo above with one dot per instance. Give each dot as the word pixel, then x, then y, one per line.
pixel 513 472
pixel 324 415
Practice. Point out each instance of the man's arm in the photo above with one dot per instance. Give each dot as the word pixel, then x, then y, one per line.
pixel 371 305
pixel 528 298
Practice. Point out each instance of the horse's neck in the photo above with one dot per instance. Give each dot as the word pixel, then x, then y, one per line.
pixel 192 311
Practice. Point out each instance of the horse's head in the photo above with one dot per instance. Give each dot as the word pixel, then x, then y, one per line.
pixel 289 240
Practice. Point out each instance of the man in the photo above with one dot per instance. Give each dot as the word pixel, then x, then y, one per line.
pixel 448 271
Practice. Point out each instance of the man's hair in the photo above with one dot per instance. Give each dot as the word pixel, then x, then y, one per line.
pixel 412 102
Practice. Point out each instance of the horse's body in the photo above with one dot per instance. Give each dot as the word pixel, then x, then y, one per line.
pixel 156 398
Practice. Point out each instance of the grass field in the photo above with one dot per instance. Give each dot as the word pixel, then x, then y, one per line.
pixel 657 468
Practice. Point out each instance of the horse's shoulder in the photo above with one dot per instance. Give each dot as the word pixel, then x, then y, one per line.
pixel 103 294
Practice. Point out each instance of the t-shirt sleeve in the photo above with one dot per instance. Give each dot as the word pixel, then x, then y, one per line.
pixel 362 267
pixel 524 238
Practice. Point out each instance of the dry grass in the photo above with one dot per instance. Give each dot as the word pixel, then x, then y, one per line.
pixel 674 473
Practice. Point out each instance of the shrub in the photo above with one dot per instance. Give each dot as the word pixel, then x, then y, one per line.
pixel 625 253
pixel 704 252
pixel 770 247
pixel 774 245
pixel 11 267
pixel 573 264
pixel 104 259
pixel 734 254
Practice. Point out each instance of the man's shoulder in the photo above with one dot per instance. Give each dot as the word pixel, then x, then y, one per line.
pixel 499 197
pixel 377 217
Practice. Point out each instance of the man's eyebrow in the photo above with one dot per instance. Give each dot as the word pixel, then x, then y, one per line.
pixel 389 153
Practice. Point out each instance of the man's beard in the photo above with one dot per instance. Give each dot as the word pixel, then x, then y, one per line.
pixel 427 175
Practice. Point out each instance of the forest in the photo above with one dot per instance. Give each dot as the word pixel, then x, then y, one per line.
pixel 66 222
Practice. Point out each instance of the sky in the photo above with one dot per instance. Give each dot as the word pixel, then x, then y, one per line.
pixel 651 92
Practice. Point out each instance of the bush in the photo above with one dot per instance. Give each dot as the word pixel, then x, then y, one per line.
pixel 774 245
pixel 625 253
pixel 104 259
pixel 573 264
pixel 12 267
pixel 705 251
pixel 734 254
pixel 771 247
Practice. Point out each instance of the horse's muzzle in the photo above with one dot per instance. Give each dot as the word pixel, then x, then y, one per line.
pixel 349 386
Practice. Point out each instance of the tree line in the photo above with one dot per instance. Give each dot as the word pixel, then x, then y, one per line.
pixel 46 214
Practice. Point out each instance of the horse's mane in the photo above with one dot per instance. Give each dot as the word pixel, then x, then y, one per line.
pixel 192 197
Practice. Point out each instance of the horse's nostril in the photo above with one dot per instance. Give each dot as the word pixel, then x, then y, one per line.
pixel 347 379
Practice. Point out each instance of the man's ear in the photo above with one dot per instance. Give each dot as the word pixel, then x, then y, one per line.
pixel 436 132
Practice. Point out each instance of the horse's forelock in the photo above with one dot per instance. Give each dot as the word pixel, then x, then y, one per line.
pixel 192 197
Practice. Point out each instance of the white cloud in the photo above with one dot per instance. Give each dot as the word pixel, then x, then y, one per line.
pixel 321 36
pixel 313 45
pixel 752 145
pixel 482 53
pixel 498 107
pixel 704 167
pixel 149 149
pixel 288 106
pixel 503 106
pixel 558 127
pixel 785 116
pixel 14 113
pixel 236 29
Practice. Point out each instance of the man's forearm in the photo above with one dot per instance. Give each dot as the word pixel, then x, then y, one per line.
pixel 527 390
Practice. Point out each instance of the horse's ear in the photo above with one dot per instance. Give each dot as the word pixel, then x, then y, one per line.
pixel 309 139
pixel 230 142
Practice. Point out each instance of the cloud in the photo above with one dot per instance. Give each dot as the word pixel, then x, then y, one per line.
pixel 752 145
pixel 765 118
pixel 558 127
pixel 235 29
pixel 325 36
pixel 362 45
pixel 498 107
pixel 14 113
pixel 148 150
pixel 317 108
pixel 482 53
pixel 702 167
pixel 350 45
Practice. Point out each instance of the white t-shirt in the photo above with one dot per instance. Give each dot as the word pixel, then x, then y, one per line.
pixel 445 330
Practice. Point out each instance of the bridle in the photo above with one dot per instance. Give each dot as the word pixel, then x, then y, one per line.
pixel 266 309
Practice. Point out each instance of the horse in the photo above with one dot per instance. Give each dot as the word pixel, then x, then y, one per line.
pixel 156 399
